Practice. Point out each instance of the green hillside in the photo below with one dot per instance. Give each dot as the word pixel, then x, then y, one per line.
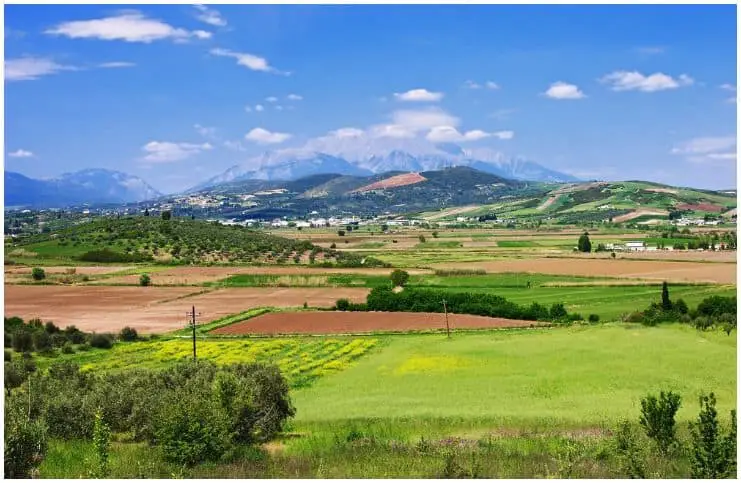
pixel 178 241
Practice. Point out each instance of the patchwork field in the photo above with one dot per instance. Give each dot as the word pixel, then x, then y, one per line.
pixel 153 309
pixel 360 322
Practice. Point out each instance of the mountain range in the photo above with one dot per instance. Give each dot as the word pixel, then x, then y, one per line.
pixel 86 186
pixel 361 155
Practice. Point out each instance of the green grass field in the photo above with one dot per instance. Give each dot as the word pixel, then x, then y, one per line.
pixel 568 376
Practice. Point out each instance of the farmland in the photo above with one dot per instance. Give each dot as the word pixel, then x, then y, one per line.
pixel 388 394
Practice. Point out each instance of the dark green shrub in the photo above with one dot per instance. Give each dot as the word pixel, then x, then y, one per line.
pixel 38 274
pixel 22 341
pixel 101 341
pixel 128 334
pixel 74 335
pixel 68 348
pixel 558 311
pixel 593 318
pixel 713 455
pixel 50 328
pixel 399 278
pixel 145 280
pixel 41 341
pixel 717 305
pixel 342 304
pixel 8 355
pixel 191 429
pixel 657 418
pixel 681 306
pixel 25 441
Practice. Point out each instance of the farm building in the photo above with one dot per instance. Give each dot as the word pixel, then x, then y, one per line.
pixel 635 246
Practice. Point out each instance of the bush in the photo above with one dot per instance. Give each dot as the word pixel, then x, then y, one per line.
pixel 593 318
pixel 38 274
pixel 342 304
pixel 399 278
pixel 25 442
pixel 713 455
pixel 422 239
pixel 333 245
pixel 681 306
pixel 101 341
pixel 68 348
pixel 22 340
pixel 41 341
pixel 657 418
pixel 128 334
pixel 74 335
pixel 558 311
pixel 716 305
pixel 341 232
pixel 145 280
pixel 50 328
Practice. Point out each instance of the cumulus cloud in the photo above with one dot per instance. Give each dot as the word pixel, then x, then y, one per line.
pixel 209 16
pixel 419 95
pixel 271 99
pixel 347 132
pixel 21 153
pixel 563 90
pixel 31 68
pixel 391 131
pixel 294 97
pixel 423 119
pixel 128 27
pixel 166 152
pixel 449 134
pixel 252 62
pixel 730 88
pixel 259 108
pixel 635 81
pixel 205 131
pixel 263 136
pixel 116 65
pixel 708 149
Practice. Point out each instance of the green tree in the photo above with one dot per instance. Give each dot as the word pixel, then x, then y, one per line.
pixel 584 245
pixel 666 303
pixel 422 239
pixel 657 418
pixel 25 440
pixel 713 455
pixel 128 334
pixel 399 278
pixel 38 274
pixel 166 215
pixel 145 280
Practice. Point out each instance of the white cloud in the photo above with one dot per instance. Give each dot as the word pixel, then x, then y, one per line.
pixel 130 26
pixel 419 95
pixel 263 136
pixel 31 68
pixel 347 132
pixel 294 97
pixel 21 153
pixel 209 16
pixel 205 131
pixel 502 114
pixel 271 99
pixel 259 108
pixel 474 85
pixel 631 81
pixel 391 131
pixel 278 108
pixel 165 152
pixel 234 145
pixel 116 65
pixel 708 149
pixel 449 134
pixel 252 62
pixel 423 119
pixel 730 88
pixel 562 90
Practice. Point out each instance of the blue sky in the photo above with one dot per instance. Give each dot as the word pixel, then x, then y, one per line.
pixel 171 93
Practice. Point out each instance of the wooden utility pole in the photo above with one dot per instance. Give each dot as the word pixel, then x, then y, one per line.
pixel 192 317
pixel 447 326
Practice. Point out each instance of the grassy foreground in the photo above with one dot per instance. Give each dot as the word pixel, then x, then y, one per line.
pixel 534 403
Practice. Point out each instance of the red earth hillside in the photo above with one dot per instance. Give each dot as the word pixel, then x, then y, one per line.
pixel 393 182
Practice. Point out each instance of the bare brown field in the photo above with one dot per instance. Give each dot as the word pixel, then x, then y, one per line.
pixel 154 309
pixel 361 322
pixel 638 213
pixel 701 207
pixel 100 309
pixel 393 182
pixel 547 203
pixel 84 270
pixel 674 271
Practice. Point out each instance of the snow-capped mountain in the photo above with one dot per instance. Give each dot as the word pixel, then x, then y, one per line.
pixel 86 186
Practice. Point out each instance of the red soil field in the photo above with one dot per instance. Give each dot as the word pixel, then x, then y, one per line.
pixel 393 182
pixel 701 207
pixel 361 322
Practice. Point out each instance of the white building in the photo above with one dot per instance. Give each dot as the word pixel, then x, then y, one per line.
pixel 635 246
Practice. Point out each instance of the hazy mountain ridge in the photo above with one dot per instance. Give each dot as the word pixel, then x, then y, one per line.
pixel 81 187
